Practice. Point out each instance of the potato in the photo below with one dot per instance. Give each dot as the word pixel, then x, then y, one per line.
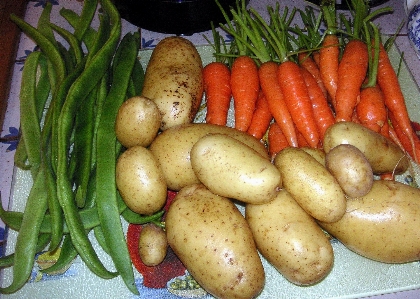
pixel 317 153
pixel 383 155
pixel 290 239
pixel 213 240
pixel 351 169
pixel 230 168
pixel 174 81
pixel 138 122
pixel 311 184
pixel 140 181
pixel 172 149
pixel 153 245
pixel 383 225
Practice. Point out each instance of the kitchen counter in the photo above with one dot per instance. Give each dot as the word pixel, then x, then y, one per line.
pixel 388 24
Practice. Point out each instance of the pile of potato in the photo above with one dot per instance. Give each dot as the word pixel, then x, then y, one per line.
pixel 289 201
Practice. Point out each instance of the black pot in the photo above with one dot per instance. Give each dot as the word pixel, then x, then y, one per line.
pixel 181 17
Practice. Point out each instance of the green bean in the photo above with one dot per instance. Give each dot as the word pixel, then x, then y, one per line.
pixel 101 37
pixel 74 19
pixel 106 156
pixel 135 218
pixel 25 248
pixel 44 44
pixel 138 77
pixel 74 43
pixel 67 254
pixel 30 128
pixel 86 82
pixel 100 237
pixel 86 17
pixel 90 219
pixel 43 24
pixel 82 148
pixel 8 260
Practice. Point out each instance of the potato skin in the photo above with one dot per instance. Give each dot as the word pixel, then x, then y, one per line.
pixel 351 169
pixel 383 155
pixel 172 149
pixel 174 81
pixel 230 168
pixel 140 181
pixel 153 245
pixel 383 225
pixel 290 239
pixel 214 242
pixel 138 122
pixel 311 184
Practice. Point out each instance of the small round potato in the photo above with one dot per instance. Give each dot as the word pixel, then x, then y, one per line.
pixel 351 169
pixel 153 245
pixel 138 122
pixel 140 181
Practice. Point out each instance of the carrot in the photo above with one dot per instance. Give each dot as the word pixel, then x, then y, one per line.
pixel 324 116
pixel 272 91
pixel 371 110
pixel 261 118
pixel 308 63
pixel 394 100
pixel 216 76
pixel 411 144
pixel 276 140
pixel 352 72
pixel 302 141
pixel 297 100
pixel 329 52
pixel 315 56
pixel 245 87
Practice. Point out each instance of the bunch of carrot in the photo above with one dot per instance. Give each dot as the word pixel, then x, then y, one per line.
pixel 289 85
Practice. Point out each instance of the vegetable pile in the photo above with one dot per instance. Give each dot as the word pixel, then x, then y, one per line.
pixel 320 131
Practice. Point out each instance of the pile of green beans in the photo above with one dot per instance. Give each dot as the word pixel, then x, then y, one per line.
pixel 69 99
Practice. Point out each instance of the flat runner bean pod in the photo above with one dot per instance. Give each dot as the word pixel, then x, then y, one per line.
pixel 27 239
pixel 90 77
pixel 73 19
pixel 30 132
pixel 106 157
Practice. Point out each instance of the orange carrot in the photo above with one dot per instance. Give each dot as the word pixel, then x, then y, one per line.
pixel 272 91
pixel 352 71
pixel 302 141
pixel 308 63
pixel 216 76
pixel 276 140
pixel 315 56
pixel 394 100
pixel 324 116
pixel 328 64
pixel 261 118
pixel 371 109
pixel 413 149
pixel 245 88
pixel 297 100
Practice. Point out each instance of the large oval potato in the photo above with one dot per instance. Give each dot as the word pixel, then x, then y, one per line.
pixel 383 155
pixel 174 80
pixel 382 225
pixel 213 240
pixel 232 169
pixel 140 180
pixel 311 184
pixel 172 149
pixel 290 239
